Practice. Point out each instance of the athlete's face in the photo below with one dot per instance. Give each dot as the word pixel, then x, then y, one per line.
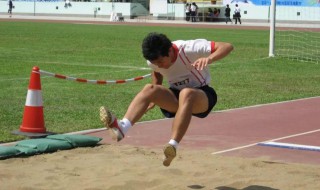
pixel 162 62
pixel 165 62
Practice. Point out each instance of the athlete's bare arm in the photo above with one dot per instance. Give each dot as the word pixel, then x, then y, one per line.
pixel 221 49
pixel 157 78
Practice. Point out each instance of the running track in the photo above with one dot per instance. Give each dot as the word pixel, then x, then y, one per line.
pixel 237 132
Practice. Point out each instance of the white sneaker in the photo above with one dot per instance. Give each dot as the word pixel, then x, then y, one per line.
pixel 111 123
pixel 169 152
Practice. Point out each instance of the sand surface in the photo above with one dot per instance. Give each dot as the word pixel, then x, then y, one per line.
pixel 127 167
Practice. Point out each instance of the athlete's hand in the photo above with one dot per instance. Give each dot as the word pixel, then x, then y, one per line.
pixel 201 63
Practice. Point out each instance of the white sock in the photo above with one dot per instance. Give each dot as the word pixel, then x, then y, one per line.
pixel 125 125
pixel 174 143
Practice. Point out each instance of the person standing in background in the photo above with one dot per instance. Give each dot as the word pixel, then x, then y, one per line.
pixel 237 14
pixel 188 11
pixel 227 14
pixel 193 12
pixel 10 8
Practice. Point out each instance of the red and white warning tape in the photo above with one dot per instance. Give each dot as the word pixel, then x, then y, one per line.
pixel 42 72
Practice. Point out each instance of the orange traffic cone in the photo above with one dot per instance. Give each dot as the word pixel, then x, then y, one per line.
pixel 33 119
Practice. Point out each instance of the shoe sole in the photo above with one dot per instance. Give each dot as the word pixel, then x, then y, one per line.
pixel 169 153
pixel 105 117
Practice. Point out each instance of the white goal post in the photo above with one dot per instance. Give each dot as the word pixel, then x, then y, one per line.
pixel 272 27
pixel 295 39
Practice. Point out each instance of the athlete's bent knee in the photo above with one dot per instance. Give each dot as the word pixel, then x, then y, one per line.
pixel 150 88
pixel 187 94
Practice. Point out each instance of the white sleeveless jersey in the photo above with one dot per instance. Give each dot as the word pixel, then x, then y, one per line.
pixel 181 74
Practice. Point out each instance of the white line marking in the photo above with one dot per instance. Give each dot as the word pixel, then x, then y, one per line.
pixel 253 144
pixel 291 146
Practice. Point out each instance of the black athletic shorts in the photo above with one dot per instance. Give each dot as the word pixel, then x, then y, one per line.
pixel 212 97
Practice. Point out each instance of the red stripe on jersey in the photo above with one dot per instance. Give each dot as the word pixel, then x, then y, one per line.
pixel 204 81
pixel 175 52
pixel 190 63
pixel 213 44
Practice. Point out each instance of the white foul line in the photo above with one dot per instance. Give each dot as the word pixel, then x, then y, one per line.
pixel 291 146
pixel 253 144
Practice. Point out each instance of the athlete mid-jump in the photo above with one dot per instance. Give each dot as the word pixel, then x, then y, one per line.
pixel 184 64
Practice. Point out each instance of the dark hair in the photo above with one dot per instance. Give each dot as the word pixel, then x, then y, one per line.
pixel 155 45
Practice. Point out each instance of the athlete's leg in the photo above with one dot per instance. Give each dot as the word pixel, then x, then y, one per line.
pixel 158 94
pixel 191 101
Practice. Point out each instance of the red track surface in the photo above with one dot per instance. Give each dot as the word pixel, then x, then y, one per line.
pixel 242 129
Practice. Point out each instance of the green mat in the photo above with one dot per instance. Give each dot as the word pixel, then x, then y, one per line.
pixel 51 143
pixel 8 151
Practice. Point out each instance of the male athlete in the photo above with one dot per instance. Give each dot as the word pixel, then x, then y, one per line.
pixel 184 64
